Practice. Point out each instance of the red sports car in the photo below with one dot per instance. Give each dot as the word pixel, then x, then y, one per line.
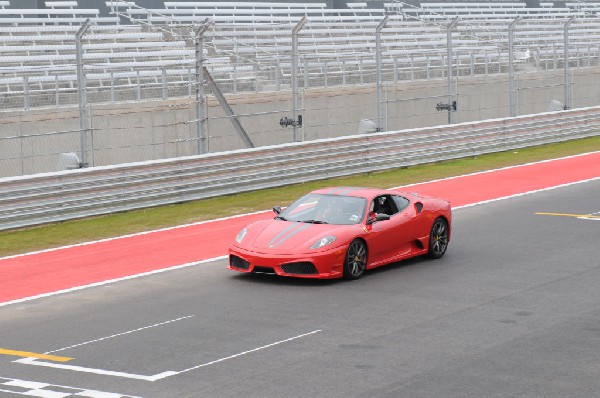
pixel 341 232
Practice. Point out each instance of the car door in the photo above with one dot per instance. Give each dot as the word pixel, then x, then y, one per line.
pixel 406 233
pixel 380 240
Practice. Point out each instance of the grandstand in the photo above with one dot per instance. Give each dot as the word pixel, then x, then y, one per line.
pixel 136 53
pixel 142 64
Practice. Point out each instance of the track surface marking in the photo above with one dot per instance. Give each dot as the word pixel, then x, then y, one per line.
pixel 45 272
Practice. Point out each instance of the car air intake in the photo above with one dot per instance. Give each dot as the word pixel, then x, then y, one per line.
pixel 304 268
pixel 258 269
pixel 237 262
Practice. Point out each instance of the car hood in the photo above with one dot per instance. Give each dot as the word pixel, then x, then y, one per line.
pixel 288 236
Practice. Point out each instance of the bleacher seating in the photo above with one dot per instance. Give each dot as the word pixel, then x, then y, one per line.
pixel 139 49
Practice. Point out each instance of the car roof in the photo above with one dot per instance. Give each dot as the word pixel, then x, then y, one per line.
pixel 354 191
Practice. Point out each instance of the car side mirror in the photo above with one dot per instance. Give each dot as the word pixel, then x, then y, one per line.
pixel 378 217
pixel 277 209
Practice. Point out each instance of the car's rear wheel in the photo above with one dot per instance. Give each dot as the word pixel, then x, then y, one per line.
pixel 356 259
pixel 438 238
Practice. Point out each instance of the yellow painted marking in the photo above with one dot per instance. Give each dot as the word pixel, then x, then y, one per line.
pixel 25 354
pixel 569 215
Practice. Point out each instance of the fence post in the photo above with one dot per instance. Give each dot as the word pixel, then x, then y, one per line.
pixel 165 89
pixel 306 77
pixel 566 62
pixel 511 69
pixel 199 83
pixel 57 94
pixel 449 64
pixel 381 25
pixel 112 87
pixel 295 31
pixel 26 93
pixel 81 90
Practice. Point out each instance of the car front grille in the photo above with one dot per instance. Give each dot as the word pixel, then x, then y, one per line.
pixel 259 269
pixel 303 268
pixel 237 262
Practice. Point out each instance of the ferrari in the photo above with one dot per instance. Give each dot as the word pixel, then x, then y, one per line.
pixel 341 232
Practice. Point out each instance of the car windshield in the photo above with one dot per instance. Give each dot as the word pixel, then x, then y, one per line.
pixel 326 209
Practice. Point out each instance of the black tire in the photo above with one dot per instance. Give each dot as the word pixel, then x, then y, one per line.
pixel 355 262
pixel 438 238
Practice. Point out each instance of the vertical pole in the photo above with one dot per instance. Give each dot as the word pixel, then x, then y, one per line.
pixel 112 87
pixel 566 61
pixel 165 90
pixel 511 69
pixel 378 30
pixel 360 71
pixel 449 64
pixel 306 81
pixel 295 31
pixel 91 124
pixel 57 88
pixel 138 89
pixel 81 90
pixel 26 93
pixel 472 70
pixel 199 83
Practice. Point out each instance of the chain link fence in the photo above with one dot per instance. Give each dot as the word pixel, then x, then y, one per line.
pixel 142 81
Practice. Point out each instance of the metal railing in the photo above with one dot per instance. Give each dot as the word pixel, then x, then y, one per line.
pixel 60 196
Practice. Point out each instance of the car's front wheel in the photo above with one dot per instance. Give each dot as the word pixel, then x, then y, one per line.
pixel 356 259
pixel 438 238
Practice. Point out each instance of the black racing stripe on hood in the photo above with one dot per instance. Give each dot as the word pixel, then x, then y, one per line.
pixel 289 235
pixel 281 233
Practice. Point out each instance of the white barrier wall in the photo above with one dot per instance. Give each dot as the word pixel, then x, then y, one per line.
pixel 50 197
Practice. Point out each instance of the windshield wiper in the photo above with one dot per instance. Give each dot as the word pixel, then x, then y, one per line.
pixel 280 218
pixel 315 222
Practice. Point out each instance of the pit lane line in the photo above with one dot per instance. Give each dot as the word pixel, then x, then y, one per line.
pixel 34 359
pixel 431 185
pixel 120 334
pixel 159 376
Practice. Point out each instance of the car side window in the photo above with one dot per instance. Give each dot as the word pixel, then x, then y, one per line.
pixel 401 202
pixel 384 204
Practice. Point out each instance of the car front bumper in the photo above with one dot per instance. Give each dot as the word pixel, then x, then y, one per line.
pixel 325 264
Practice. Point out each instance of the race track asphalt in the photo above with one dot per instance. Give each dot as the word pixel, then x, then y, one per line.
pixel 513 309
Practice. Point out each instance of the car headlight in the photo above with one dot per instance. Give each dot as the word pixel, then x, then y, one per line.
pixel 240 235
pixel 324 241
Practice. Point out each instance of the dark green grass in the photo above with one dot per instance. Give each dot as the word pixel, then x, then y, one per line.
pixel 77 231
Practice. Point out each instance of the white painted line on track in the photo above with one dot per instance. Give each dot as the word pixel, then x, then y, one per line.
pixel 33 361
pixel 248 352
pixel 122 334
pixel 125 278
pixel 159 376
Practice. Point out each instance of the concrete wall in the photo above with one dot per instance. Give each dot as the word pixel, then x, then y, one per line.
pixel 31 142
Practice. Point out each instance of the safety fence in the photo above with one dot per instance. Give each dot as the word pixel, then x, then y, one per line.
pixel 53 197
pixel 99 94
